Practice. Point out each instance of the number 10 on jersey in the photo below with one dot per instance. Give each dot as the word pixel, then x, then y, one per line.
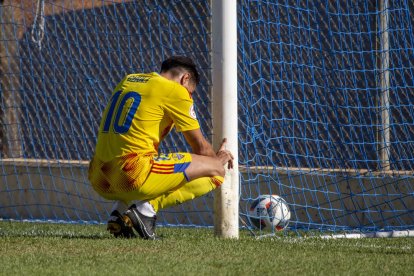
pixel 121 111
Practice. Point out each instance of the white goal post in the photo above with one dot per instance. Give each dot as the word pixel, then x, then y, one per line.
pixel 225 120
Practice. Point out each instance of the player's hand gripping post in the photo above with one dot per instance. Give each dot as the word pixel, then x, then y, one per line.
pixel 224 155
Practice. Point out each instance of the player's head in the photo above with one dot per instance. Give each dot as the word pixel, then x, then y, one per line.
pixel 181 69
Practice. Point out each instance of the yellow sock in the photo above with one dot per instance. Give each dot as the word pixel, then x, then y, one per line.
pixel 187 191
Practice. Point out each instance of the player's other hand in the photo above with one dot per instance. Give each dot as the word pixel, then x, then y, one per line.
pixel 224 155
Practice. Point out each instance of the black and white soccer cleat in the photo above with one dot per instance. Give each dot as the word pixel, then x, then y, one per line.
pixel 118 226
pixel 145 226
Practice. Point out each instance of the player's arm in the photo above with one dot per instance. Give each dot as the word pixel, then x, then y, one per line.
pixel 211 165
pixel 198 143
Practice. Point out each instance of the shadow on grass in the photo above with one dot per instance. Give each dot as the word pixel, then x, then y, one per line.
pixel 53 230
pixel 94 236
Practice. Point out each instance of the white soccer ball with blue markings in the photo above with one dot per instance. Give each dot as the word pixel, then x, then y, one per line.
pixel 269 212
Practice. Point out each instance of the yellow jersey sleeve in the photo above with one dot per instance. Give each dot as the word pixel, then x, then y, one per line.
pixel 180 108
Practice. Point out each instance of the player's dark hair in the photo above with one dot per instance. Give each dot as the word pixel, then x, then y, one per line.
pixel 177 62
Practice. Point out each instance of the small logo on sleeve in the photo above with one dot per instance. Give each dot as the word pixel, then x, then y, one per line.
pixel 192 112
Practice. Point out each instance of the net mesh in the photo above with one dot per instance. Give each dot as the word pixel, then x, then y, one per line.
pixel 313 115
pixel 61 61
pixel 325 93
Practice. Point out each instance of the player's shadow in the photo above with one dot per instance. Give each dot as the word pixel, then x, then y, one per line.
pixel 51 234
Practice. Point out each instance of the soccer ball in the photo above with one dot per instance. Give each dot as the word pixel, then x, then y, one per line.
pixel 269 212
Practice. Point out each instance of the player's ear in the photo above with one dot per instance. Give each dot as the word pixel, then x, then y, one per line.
pixel 185 79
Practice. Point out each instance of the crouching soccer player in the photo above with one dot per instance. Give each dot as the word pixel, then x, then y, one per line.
pixel 127 167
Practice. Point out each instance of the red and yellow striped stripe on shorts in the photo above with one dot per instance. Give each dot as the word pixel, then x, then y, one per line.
pixel 137 177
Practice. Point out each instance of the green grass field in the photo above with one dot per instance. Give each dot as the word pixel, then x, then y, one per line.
pixel 66 249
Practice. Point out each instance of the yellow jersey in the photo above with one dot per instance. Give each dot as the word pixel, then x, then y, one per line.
pixel 142 110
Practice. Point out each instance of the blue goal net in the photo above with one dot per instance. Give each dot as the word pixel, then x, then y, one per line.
pixel 325 93
pixel 326 110
pixel 60 63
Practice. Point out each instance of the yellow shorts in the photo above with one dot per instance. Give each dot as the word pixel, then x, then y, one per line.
pixel 134 177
